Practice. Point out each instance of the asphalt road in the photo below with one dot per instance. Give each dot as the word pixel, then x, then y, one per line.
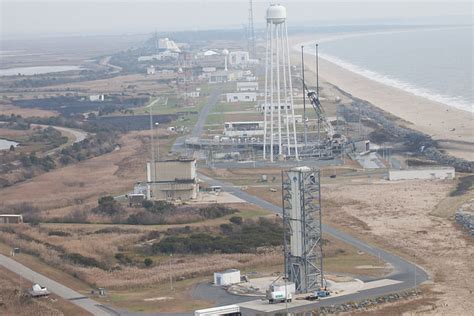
pixel 203 114
pixel 62 291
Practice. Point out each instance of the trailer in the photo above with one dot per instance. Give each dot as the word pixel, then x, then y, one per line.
pixel 38 291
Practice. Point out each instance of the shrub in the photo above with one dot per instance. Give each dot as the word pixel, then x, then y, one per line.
pixel 237 220
pixel 107 206
pixel 79 259
pixel 247 238
pixel 59 233
pixel 147 262
pixel 216 211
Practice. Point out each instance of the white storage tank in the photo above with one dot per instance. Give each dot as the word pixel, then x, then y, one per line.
pixel 228 277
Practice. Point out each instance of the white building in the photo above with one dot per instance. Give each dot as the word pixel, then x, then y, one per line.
pixel 96 97
pixel 224 76
pixel 150 70
pixel 167 44
pixel 172 180
pixel 238 58
pixel 192 94
pixel 160 56
pixel 241 97
pixel 208 69
pixel 422 174
pixel 228 277
pixel 243 129
pixel 246 86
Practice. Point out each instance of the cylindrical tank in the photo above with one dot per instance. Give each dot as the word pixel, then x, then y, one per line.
pixel 276 14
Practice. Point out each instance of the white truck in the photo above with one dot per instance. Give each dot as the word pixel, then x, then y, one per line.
pixel 280 293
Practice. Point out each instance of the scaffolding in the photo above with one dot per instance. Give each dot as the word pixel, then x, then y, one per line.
pixel 303 246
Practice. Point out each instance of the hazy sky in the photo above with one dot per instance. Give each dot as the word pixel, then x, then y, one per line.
pixel 19 17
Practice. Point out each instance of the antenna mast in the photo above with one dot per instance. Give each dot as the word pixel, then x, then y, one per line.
pixel 251 32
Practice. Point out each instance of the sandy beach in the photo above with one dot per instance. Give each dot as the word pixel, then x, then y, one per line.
pixel 453 128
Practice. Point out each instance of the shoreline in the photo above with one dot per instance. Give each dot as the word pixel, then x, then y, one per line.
pixel 450 126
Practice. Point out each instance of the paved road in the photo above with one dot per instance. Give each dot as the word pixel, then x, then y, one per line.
pixel 66 293
pixel 211 102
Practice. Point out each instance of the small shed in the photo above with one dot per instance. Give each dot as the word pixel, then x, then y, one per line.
pixel 228 277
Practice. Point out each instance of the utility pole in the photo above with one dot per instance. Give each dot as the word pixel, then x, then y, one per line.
pixel 304 99
pixel 152 145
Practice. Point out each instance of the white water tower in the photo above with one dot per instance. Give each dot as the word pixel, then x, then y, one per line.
pixel 278 111
pixel 225 52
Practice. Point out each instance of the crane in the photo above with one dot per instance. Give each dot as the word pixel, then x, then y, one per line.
pixel 320 113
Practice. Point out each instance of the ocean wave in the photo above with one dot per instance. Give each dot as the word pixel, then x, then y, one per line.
pixel 453 101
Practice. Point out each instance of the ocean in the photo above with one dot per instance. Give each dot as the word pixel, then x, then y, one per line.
pixel 435 63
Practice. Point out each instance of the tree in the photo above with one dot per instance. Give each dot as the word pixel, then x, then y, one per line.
pixel 148 262
pixel 237 220
pixel 12 148
pixel 107 206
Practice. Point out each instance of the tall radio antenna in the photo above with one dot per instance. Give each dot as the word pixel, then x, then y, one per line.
pixel 251 32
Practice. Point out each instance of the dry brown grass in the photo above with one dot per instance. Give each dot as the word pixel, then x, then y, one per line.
pixel 397 215
pixel 8 109
pixel 78 186
pixel 14 301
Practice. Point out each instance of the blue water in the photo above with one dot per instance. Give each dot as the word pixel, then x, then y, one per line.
pixel 433 63
pixel 36 70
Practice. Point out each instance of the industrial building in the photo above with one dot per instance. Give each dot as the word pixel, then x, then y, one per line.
pixel 422 174
pixel 246 86
pixel 224 76
pixel 174 180
pixel 243 129
pixel 241 97
pixel 227 277
pixel 239 58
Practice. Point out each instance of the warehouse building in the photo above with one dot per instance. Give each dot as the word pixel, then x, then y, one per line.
pixel 175 180
pixel 241 97
pixel 243 129
pixel 246 86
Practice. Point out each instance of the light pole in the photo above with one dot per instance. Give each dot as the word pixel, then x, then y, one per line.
pixel 171 276
pixel 414 263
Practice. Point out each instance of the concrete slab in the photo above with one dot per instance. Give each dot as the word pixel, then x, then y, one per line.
pixel 379 283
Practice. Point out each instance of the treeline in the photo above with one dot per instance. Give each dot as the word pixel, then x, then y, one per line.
pixel 45 80
pixel 73 105
pixel 237 236
pixel 102 140
pixel 157 212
